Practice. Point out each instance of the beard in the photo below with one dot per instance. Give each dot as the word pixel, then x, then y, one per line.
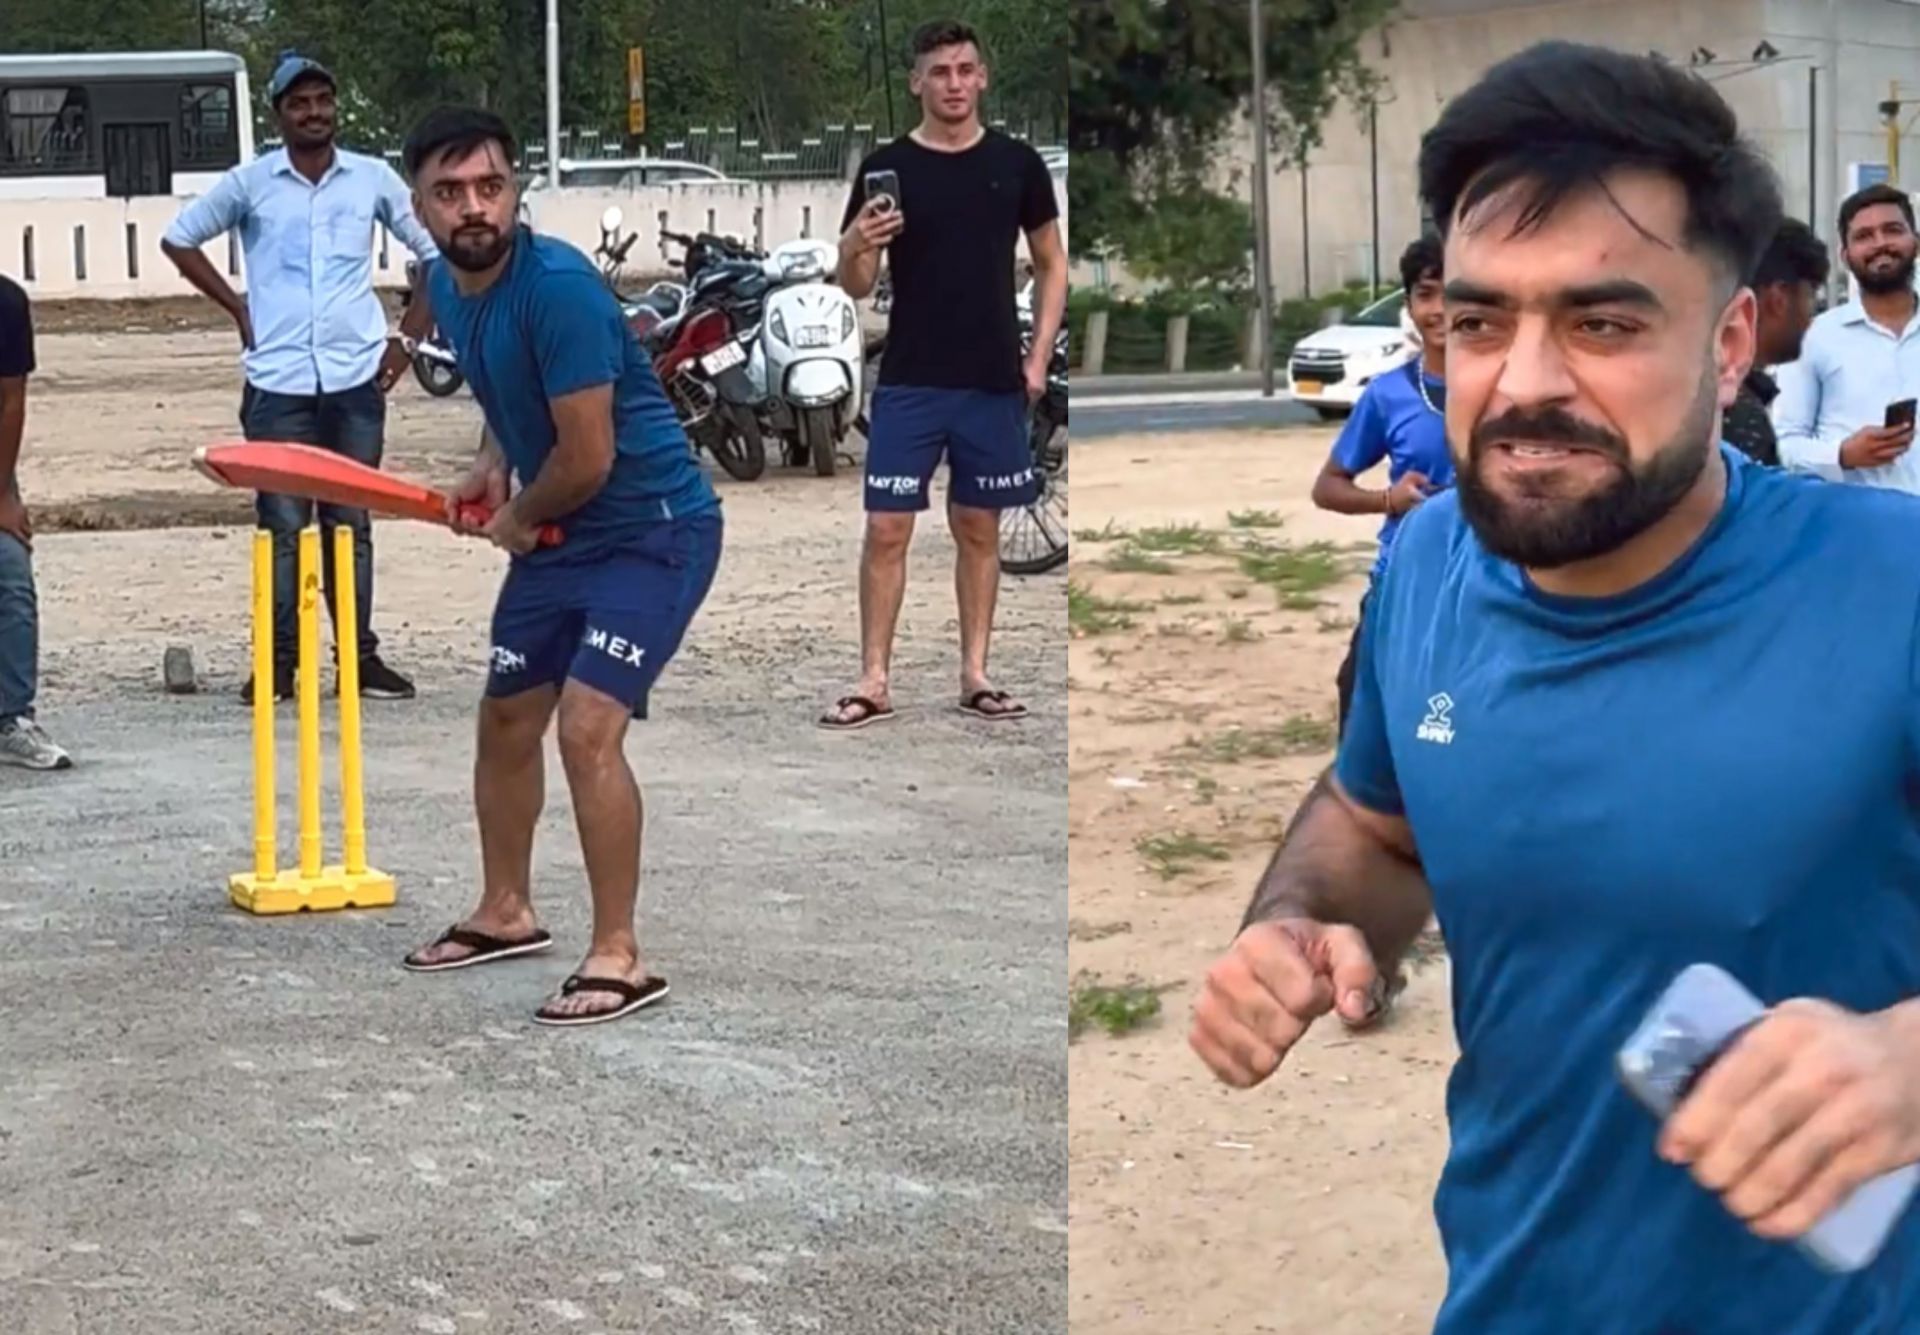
pixel 476 249
pixel 1896 279
pixel 310 136
pixel 1539 530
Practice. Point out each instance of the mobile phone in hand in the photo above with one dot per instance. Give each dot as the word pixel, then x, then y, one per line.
pixel 1900 414
pixel 1700 1015
pixel 884 185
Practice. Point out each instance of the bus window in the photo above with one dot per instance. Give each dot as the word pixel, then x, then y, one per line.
pixel 46 127
pixel 206 126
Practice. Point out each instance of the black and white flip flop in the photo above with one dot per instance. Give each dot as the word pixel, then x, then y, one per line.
pixel 485 949
pixel 632 996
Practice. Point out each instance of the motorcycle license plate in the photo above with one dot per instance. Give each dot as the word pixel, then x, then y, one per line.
pixel 723 359
pixel 1306 387
pixel 814 336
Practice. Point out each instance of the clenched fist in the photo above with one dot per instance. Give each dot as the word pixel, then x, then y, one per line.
pixel 1272 984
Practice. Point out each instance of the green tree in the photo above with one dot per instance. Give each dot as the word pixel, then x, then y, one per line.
pixel 1192 239
pixel 777 70
pixel 1154 86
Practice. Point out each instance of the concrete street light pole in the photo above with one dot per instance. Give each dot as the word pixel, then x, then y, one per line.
pixel 1262 236
pixel 553 93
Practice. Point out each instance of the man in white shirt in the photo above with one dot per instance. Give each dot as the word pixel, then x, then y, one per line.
pixel 318 357
pixel 1831 416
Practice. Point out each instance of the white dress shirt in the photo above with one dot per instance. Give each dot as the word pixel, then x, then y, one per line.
pixel 1849 370
pixel 317 324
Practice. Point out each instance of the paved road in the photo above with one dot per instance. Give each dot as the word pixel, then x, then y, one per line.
pixel 1093 417
pixel 850 1119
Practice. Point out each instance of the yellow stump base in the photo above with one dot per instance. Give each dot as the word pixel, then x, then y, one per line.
pixel 309 887
pixel 333 888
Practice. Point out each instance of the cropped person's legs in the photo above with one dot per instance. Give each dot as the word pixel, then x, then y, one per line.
pixel 23 741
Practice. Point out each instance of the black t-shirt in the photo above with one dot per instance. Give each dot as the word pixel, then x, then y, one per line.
pixel 16 331
pixel 1747 426
pixel 954 324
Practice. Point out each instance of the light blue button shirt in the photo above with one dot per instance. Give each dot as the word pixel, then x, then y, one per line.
pixel 317 324
pixel 1849 370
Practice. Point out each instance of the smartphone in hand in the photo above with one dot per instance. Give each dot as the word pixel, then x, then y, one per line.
pixel 1697 1018
pixel 1900 414
pixel 884 185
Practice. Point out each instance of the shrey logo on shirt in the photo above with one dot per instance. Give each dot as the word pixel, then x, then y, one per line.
pixel 1437 726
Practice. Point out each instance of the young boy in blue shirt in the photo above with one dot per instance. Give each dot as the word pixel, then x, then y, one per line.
pixel 1400 418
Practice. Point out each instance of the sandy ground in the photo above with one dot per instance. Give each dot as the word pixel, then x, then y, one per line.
pixel 1302 1206
pixel 850 1116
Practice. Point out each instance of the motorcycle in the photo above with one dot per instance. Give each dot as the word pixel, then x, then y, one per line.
pixel 810 355
pixel 434 364
pixel 698 353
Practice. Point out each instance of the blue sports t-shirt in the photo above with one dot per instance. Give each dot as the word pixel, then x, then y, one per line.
pixel 1391 421
pixel 1720 765
pixel 549 327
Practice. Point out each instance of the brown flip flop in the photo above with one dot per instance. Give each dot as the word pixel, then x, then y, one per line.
pixel 872 713
pixel 485 948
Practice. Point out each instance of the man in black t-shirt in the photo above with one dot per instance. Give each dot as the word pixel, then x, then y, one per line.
pixel 22 741
pixel 952 382
pixel 1786 287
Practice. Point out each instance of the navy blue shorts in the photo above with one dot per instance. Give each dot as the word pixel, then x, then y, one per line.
pixel 614 623
pixel 983 436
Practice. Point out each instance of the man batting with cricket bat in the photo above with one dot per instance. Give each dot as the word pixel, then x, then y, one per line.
pixel 582 629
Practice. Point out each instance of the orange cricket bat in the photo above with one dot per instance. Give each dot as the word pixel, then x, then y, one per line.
pixel 321 475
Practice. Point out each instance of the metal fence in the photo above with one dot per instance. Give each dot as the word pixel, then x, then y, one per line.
pixel 832 154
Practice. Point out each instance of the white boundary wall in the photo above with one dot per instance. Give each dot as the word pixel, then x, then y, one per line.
pixel 110 248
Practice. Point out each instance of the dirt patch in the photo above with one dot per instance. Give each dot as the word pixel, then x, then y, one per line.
pixel 1211 605
pixel 143 315
pixel 144 509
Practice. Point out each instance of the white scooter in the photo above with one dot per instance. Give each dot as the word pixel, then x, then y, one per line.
pixel 809 357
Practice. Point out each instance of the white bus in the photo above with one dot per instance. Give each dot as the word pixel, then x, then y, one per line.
pixel 122 124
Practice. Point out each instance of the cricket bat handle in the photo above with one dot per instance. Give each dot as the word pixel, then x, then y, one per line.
pixel 475 515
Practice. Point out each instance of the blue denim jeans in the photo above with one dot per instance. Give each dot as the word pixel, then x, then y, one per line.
pixel 19 631
pixel 351 422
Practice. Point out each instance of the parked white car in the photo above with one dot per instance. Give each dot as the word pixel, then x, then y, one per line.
pixel 625 173
pixel 1330 367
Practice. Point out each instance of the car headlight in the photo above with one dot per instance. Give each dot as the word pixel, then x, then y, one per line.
pixel 846 322
pixel 779 326
pixel 1389 349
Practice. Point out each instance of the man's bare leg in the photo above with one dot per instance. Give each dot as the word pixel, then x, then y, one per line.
pixel 607 808
pixel 883 587
pixel 976 583
pixel 509 788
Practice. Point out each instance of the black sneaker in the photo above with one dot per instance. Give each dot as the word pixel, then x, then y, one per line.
pixel 380 682
pixel 282 687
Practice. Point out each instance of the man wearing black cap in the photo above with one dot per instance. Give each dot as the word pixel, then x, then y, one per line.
pixel 318 357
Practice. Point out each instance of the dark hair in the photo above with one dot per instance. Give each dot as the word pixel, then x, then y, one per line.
pixel 1559 116
pixel 456 133
pixel 1420 259
pixel 1795 255
pixel 930 37
pixel 1878 193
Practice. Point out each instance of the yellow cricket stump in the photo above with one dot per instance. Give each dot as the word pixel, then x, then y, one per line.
pixel 312 886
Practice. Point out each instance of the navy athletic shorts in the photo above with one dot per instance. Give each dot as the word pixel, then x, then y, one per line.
pixel 982 434
pixel 613 623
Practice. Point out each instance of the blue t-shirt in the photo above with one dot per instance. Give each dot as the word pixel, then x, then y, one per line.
pixel 1391 421
pixel 1720 765
pixel 549 327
